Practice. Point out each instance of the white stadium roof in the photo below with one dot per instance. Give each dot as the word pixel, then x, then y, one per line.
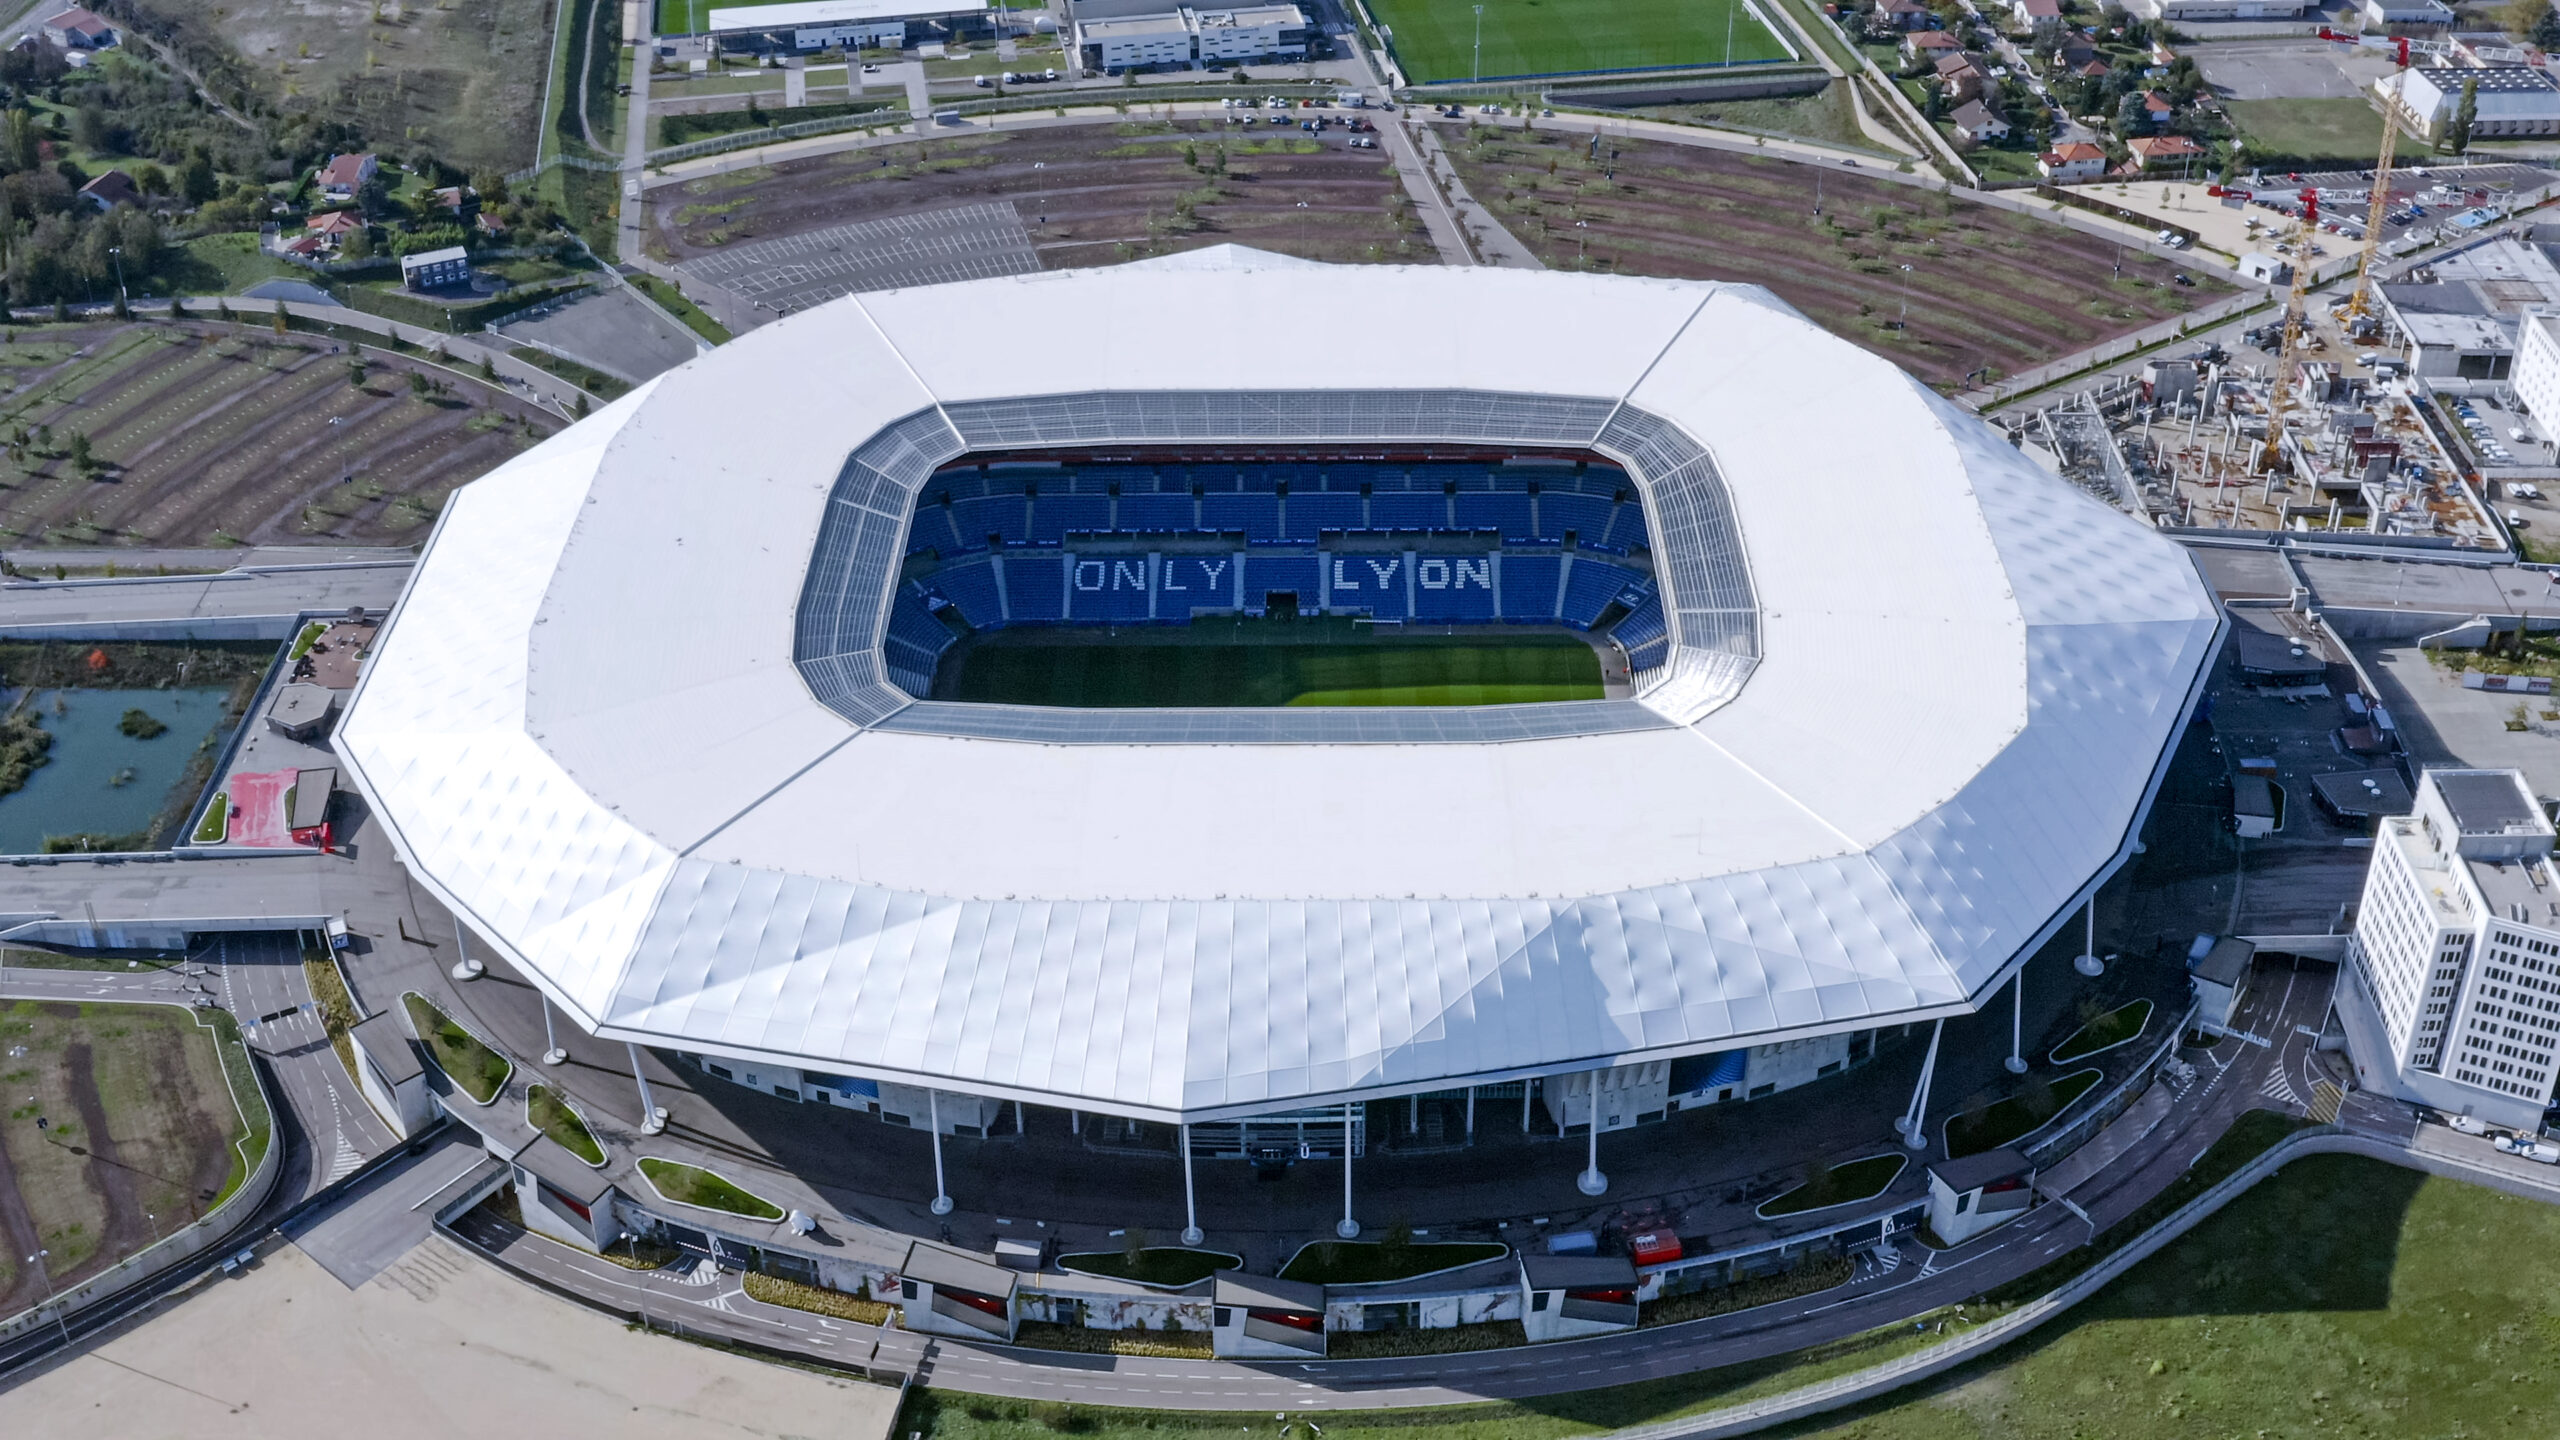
pixel 1935 725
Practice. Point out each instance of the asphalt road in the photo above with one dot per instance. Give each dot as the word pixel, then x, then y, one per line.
pixel 232 605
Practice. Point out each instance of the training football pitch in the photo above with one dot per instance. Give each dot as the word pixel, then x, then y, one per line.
pixel 1154 670
pixel 1435 40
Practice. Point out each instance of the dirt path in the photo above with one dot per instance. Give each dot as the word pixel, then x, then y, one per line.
pixel 20 1228
pixel 124 1229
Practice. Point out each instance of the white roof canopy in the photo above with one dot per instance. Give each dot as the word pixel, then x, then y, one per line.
pixel 586 731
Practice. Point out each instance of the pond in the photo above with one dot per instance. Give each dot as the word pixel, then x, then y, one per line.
pixel 96 779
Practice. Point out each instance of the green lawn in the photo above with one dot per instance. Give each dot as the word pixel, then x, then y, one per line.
pixel 1166 669
pixel 1435 40
pixel 693 1185
pixel 1359 1262
pixel 228 263
pixel 2004 1121
pixel 546 1112
pixel 2104 1033
pixel 673 301
pixel 1157 1265
pixel 475 1067
pixel 215 827
pixel 2295 130
pixel 1843 1184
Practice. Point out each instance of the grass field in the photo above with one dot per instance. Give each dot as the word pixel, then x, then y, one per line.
pixel 2336 129
pixel 693 1185
pixel 1435 40
pixel 136 1142
pixel 1156 670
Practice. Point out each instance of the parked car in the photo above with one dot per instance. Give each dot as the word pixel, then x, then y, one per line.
pixel 2466 1125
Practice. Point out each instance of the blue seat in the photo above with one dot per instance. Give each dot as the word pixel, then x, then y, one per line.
pixel 1054 517
pixel 1156 514
pixel 1453 588
pixel 915 641
pixel 1004 515
pixel 1565 511
pixel 932 531
pixel 1375 583
pixel 1529 586
pixel 1035 586
pixel 971 585
pixel 1628 532
pixel 1300 575
pixel 1407 510
pixel 1589 588
pixel 1312 514
pixel 1646 638
pixel 1257 515
pixel 1505 512
pixel 1111 588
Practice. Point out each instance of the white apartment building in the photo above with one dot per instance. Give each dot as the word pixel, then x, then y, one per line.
pixel 2452 991
pixel 1185 37
pixel 2537 372
pixel 2510 100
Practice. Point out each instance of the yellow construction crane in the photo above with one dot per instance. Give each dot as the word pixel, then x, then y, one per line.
pixel 2296 324
pixel 2360 308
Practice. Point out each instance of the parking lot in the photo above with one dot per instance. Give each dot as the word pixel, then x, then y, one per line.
pixel 613 331
pixel 2306 69
pixel 933 247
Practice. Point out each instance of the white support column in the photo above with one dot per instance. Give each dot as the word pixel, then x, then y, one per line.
pixel 1075 1122
pixel 1528 1097
pixel 1591 1181
pixel 1190 1204
pixel 552 1054
pixel 652 1119
pixel 1349 1229
pixel 1471 1112
pixel 464 967
pixel 1913 1125
pixel 2017 1061
pixel 933 1117
pixel 2088 962
pixel 1413 1113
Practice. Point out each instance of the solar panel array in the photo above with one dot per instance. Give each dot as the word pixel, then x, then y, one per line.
pixel 1709 623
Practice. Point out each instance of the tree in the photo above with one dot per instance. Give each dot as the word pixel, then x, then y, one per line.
pixel 417 385
pixel 2458 135
pixel 2546 31
pixel 2520 17
pixel 196 179
pixel 580 409
pixel 91 130
pixel 488 368
pixel 280 317
pixel 355 373
pixel 20 140
pixel 81 455
pixel 358 245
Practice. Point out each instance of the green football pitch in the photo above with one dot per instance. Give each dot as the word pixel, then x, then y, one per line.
pixel 1435 40
pixel 1156 671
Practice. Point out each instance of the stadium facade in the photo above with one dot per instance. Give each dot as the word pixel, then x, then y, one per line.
pixel 654 719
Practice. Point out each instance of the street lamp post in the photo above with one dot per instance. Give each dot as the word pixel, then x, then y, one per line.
pixel 60 1317
pixel 1479 60
pixel 116 253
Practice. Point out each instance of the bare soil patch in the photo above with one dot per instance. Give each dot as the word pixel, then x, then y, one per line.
pixel 210 434
pixel 138 1126
pixel 1983 287
pixel 1091 194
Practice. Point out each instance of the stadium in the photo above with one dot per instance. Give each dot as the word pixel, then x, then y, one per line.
pixel 1615 695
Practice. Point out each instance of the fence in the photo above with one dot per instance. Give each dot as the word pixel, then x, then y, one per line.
pixel 217 1227
pixel 2071 1137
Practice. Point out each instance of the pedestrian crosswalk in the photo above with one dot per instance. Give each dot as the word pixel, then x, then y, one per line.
pixel 2279 1089
pixel 2325 1100
pixel 347 1161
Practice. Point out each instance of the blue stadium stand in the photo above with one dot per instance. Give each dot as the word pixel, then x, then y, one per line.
pixel 1258 516
pixel 932 531
pixel 1646 638
pixel 916 639
pixel 1005 515
pixel 1054 517
pixel 1505 512
pixel 1589 587
pixel 1529 586
pixel 1112 588
pixel 1157 514
pixel 1562 512
pixel 1408 510
pixel 1035 587
pixel 1301 575
pixel 1313 514
pixel 1627 532
pixel 1375 583
pixel 1454 588
pixel 971 585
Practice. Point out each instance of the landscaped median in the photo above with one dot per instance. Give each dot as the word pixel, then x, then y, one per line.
pixel 1846 1183
pixel 1361 1262
pixel 2120 1026
pixel 1163 1267
pixel 545 1110
pixel 692 1185
pixel 474 1068
pixel 2006 1122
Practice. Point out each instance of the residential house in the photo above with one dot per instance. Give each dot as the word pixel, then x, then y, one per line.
pixel 77 29
pixel 2032 13
pixel 1962 79
pixel 1906 15
pixel 455 200
pixel 2170 152
pixel 328 232
pixel 436 269
pixel 1976 125
pixel 2076 160
pixel 111 190
pixel 1930 44
pixel 344 175
pixel 2156 107
pixel 2092 69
